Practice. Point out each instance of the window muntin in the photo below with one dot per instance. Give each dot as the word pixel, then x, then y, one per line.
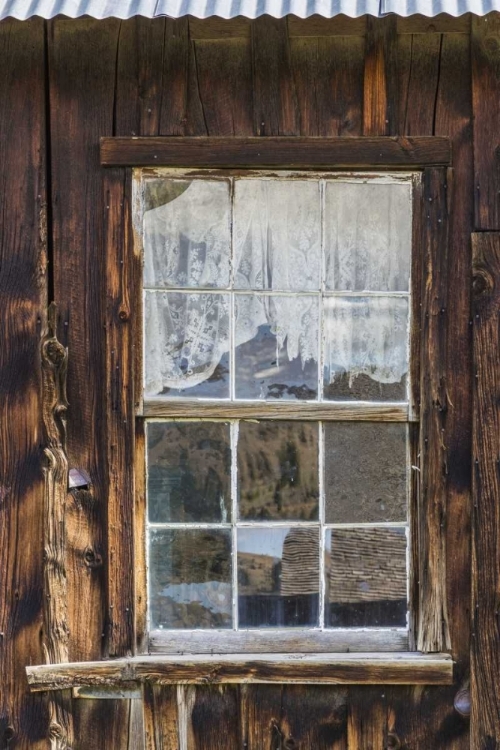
pixel 335 329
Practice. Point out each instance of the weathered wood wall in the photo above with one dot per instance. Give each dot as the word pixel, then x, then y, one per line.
pixel 64 84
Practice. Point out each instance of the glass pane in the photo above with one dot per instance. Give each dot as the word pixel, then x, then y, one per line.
pixel 187 344
pixel 277 234
pixel 366 578
pixel 190 578
pixel 278 577
pixel 278 470
pixel 189 470
pixel 365 348
pixel 367 236
pixel 365 472
pixel 276 347
pixel 187 233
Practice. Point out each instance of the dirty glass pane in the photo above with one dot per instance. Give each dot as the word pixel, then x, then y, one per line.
pixel 276 339
pixel 365 348
pixel 366 577
pixel 190 578
pixel 187 233
pixel 278 471
pixel 365 472
pixel 278 577
pixel 187 344
pixel 277 234
pixel 189 469
pixel 367 236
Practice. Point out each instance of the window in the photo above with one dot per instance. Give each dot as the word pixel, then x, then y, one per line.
pixel 276 340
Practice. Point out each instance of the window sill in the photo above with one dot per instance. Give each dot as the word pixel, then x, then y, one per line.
pixel 333 669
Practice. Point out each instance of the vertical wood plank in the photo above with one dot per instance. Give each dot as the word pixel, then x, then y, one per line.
pixel 161 721
pixel 367 719
pixel 419 66
pixel 314 716
pixel 328 74
pixel 260 710
pixel 380 102
pixel 174 101
pixel 214 721
pixel 486 104
pixel 276 109
pixel 225 85
pixel 24 719
pixel 485 655
pixel 433 633
pixel 454 118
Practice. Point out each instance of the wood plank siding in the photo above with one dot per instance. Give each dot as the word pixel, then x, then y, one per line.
pixel 66 235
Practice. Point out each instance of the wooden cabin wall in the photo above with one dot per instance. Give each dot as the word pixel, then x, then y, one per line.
pixel 64 84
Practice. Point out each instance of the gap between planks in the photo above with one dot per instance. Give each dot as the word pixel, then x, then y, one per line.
pixel 306 669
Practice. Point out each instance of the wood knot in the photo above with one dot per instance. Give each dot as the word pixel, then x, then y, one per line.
pixel 393 742
pixel 91 558
pixel 9 734
pixel 55 352
pixel 482 282
pixel 123 315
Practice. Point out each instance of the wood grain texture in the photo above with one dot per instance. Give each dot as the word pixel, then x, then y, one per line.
pixel 275 107
pixel 161 720
pixel 328 74
pixel 454 119
pixel 224 75
pixel 380 104
pixel 485 42
pixel 485 656
pixel 303 153
pixel 267 641
pixel 442 23
pixel 55 605
pixel 433 629
pixel 396 668
pixel 362 412
pixel 419 66
pixel 23 293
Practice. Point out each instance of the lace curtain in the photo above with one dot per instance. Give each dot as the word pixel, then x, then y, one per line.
pixel 276 228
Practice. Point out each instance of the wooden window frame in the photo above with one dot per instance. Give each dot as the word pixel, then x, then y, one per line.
pixel 126 571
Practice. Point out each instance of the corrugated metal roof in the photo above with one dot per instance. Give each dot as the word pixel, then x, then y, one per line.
pixel 23 9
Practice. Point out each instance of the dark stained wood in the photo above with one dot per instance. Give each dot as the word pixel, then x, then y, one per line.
pixel 442 23
pixel 328 74
pixel 23 293
pixel 211 716
pixel 55 605
pixel 380 107
pixel 276 109
pixel 122 273
pixel 419 60
pixel 454 119
pixel 317 26
pixel 219 28
pixel 140 516
pixel 82 62
pixel 367 719
pixel 433 627
pixel 303 153
pixel 103 724
pixel 161 721
pixel 225 86
pixel 174 81
pixel 314 716
pixel 329 411
pixel 485 41
pixel 485 661
pixel 338 669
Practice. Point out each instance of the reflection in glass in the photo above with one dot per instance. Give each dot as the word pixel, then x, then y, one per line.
pixel 366 577
pixel 276 347
pixel 365 472
pixel 367 236
pixel 190 578
pixel 187 344
pixel 189 469
pixel 277 234
pixel 187 233
pixel 278 577
pixel 365 348
pixel 278 470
